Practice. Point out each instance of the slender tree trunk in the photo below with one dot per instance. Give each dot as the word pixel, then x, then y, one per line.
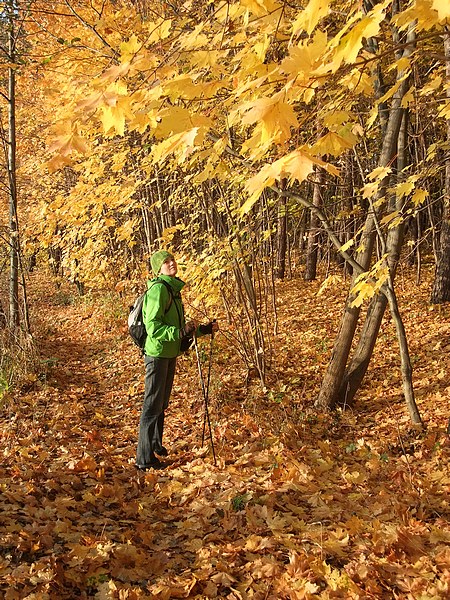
pixel 14 317
pixel 441 286
pixel 405 359
pixel 312 245
pixel 282 234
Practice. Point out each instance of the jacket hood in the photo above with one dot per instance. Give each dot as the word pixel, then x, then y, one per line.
pixel 175 282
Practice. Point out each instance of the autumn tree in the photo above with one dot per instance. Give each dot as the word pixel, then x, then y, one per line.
pixel 172 109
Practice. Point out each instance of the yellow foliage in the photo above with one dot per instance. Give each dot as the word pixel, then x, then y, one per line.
pixel 358 81
pixel 433 84
pixel 113 119
pixel 176 119
pixel 159 31
pixel 308 17
pixel 444 110
pixel 130 48
pixel 296 165
pixel 419 196
pixel 420 12
pixel 304 58
pixel 182 143
pixel 335 144
pixel 442 7
pixel 360 27
pixel 260 7
pixel 68 144
pixel 194 39
pixel 379 173
pixel 368 284
pixel 274 117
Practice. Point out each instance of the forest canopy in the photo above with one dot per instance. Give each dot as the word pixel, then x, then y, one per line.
pixel 253 136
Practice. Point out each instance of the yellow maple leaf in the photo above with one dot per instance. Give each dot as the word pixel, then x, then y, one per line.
pixel 274 115
pixel 431 86
pixel 444 110
pixel 335 144
pixel 443 9
pixel 419 196
pixel 304 56
pixel 308 18
pixel 194 39
pixel 176 119
pixel 408 98
pixel 404 188
pixel 180 142
pixel 370 189
pixel 159 31
pixel 57 162
pixel 113 120
pixel 379 173
pixel 295 165
pixel 67 144
pixel 390 217
pixel 359 28
pixel 260 7
pixel 359 82
pixel 115 72
pixel 336 117
pixel 298 165
pixel 130 48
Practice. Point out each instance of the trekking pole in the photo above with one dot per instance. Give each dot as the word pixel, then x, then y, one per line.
pixel 208 380
pixel 205 398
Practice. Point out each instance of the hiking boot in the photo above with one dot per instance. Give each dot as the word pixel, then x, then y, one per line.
pixel 154 463
pixel 162 451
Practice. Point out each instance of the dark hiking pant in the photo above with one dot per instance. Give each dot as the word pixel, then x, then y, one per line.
pixel 159 374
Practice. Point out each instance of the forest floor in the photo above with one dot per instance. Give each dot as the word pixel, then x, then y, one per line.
pixel 300 504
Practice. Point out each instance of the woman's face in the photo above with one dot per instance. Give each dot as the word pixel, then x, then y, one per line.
pixel 169 267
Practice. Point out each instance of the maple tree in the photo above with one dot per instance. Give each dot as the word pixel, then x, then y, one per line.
pixel 174 111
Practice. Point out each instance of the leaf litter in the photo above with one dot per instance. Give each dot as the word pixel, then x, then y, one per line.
pixel 301 504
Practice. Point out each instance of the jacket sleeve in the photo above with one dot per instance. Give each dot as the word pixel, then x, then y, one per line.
pixel 154 311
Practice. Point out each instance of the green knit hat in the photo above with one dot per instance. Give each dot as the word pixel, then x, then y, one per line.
pixel 157 260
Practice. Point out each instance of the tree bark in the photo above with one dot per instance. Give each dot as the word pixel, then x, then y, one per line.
pixel 357 368
pixel 441 286
pixel 313 234
pixel 14 317
pixel 333 379
pixel 282 235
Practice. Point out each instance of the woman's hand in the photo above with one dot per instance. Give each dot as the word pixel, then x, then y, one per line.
pixel 188 329
pixel 210 328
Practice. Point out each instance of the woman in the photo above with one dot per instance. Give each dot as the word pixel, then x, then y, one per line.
pixel 166 328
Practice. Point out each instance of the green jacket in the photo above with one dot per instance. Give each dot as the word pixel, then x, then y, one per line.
pixel 162 325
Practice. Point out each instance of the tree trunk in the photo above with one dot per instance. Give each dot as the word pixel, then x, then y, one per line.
pixel 312 245
pixel 14 317
pixel 282 235
pixel 357 368
pixel 441 286
pixel 333 379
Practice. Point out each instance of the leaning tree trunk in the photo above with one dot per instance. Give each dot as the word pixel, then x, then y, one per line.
pixel 333 378
pixel 441 286
pixel 14 318
pixel 357 368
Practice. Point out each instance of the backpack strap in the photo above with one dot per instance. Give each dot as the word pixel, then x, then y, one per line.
pixel 169 289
